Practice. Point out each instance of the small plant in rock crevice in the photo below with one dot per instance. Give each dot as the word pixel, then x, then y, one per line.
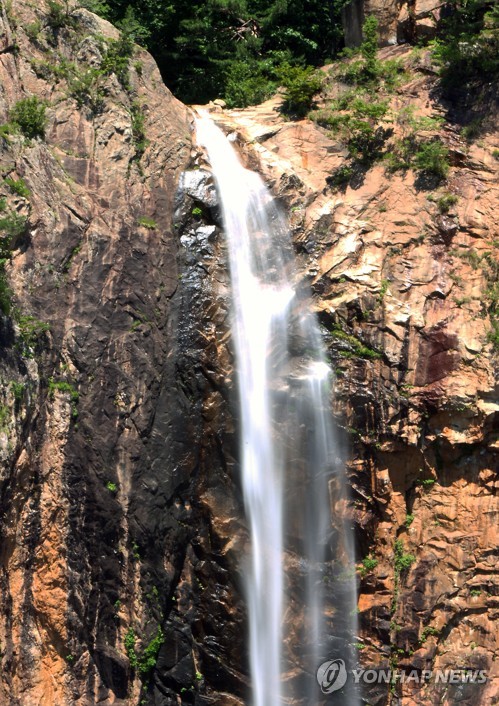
pixel 403 560
pixel 67 388
pixel 18 187
pixel 146 222
pixel 140 140
pixel 369 563
pixel 31 332
pixel 145 660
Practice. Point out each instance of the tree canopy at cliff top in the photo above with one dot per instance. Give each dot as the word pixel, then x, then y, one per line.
pixel 229 48
pixel 242 50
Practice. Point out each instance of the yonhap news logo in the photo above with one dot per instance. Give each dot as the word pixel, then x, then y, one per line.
pixel 333 676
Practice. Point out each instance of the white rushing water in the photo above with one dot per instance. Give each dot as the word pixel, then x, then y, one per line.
pixel 291 471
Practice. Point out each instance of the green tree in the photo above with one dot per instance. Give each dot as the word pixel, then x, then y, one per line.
pixel 369 47
pixel 212 48
pixel 468 46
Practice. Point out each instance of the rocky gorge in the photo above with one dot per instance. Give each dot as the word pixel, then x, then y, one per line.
pixel 122 521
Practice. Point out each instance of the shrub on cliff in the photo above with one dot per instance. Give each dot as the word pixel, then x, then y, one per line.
pixel 433 158
pixel 29 115
pixel 301 84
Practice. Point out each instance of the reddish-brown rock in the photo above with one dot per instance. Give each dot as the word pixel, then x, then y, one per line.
pixel 410 283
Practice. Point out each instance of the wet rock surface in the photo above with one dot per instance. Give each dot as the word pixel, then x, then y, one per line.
pixel 119 579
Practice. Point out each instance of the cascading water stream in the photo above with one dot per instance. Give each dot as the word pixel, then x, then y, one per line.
pixel 291 469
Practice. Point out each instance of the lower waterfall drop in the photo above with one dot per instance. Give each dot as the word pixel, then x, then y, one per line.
pixel 300 581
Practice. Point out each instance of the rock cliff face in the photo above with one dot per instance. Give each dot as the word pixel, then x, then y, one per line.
pixel 399 22
pixel 98 457
pixel 121 523
pixel 403 292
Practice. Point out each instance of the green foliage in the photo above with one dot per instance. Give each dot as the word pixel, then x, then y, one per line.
pixel 366 142
pixel 249 81
pixel 385 283
pixel 425 634
pixel 472 130
pixel 468 49
pixel 401 154
pixel 376 110
pixel 301 85
pixel 355 119
pixel 403 561
pixel 445 202
pixel 64 387
pixel 135 551
pixel 369 71
pixel 130 640
pixel 56 69
pixel 7 130
pixel 490 265
pixel 146 661
pixel 84 86
pixel 33 30
pixel 230 48
pixel 5 291
pixel 325 117
pixel 341 176
pixel 359 349
pixel 12 226
pixel 59 15
pixel 29 115
pixel 149 656
pixel 345 112
pixel 18 187
pixel 432 158
pixel 18 389
pixel 148 223
pixel 100 8
pixel 117 58
pixel 31 331
pixel 5 417
pixel 112 487
pixel 493 335
pixel 369 47
pixel 140 140
pixel 369 563
pixel 68 389
pixel 409 519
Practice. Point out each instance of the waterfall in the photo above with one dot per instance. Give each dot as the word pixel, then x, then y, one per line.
pixel 292 474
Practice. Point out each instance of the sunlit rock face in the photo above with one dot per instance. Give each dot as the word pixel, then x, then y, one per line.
pixel 420 405
pixel 399 22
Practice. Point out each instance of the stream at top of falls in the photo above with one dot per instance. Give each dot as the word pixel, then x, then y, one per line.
pixel 299 582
